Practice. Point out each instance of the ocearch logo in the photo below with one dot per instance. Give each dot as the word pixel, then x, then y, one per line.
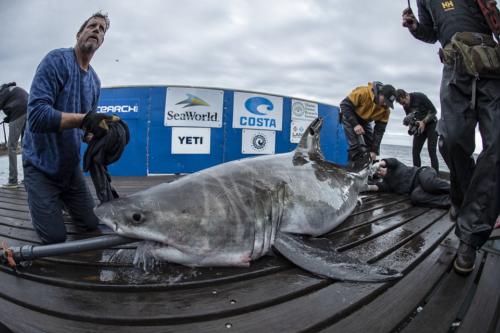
pixel 118 109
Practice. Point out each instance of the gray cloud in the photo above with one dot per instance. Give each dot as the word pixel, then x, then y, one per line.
pixel 314 49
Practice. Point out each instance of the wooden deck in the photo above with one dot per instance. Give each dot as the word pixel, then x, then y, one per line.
pixel 101 291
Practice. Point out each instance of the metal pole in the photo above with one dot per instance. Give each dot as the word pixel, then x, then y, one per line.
pixel 31 252
pixel 4 135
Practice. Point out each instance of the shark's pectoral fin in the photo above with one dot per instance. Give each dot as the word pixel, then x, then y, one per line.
pixel 322 259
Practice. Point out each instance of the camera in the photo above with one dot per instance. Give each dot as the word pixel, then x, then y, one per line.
pixel 411 121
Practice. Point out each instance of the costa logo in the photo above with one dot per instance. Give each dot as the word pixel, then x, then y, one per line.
pixel 259 106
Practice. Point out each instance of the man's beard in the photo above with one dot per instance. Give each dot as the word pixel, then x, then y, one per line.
pixel 88 47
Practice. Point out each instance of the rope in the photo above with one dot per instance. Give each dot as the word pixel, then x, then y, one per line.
pixel 8 256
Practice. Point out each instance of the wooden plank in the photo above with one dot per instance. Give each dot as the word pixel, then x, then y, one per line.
pixel 316 310
pixel 15 214
pixel 270 295
pixel 483 313
pixel 375 204
pixel 162 304
pixel 387 311
pixel 109 270
pixel 443 305
pixel 366 218
pixel 388 238
pixel 26 320
pixel 386 225
pixel 9 199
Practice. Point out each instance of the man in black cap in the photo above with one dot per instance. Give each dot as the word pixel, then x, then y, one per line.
pixel 364 105
pixel 13 102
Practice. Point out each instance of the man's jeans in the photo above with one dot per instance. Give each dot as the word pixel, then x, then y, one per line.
pixel 16 129
pixel 47 197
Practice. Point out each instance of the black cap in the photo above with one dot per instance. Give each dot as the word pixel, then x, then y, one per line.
pixel 389 93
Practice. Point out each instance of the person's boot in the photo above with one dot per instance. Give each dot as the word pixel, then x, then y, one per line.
pixel 466 256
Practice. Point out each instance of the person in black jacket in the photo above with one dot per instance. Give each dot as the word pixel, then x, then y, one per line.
pixel 13 102
pixel 422 184
pixel 421 121
pixel 465 102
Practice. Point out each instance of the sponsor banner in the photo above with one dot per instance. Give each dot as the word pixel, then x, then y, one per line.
pixel 258 141
pixel 125 108
pixel 257 111
pixel 193 107
pixel 297 128
pixel 186 140
pixel 305 111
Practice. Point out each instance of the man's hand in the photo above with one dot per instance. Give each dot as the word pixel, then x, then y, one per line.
pixel 409 19
pixel 369 188
pixel 359 130
pixel 96 124
pixel 421 126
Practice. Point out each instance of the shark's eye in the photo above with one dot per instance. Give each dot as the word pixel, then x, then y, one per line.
pixel 136 217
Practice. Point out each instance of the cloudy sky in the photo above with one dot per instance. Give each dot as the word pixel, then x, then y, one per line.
pixel 314 49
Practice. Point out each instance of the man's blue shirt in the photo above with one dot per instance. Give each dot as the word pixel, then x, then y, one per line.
pixel 59 85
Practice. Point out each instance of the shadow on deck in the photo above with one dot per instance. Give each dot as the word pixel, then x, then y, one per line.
pixel 102 291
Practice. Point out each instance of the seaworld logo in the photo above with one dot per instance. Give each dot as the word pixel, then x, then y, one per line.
pixel 193 116
pixel 193 100
pixel 258 106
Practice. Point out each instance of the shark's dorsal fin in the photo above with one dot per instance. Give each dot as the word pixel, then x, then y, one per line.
pixel 309 145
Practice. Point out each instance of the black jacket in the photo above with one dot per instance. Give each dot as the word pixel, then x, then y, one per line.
pixel 422 106
pixel 399 178
pixel 13 102
pixel 442 19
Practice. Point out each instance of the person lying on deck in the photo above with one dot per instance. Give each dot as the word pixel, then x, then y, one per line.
pixel 422 184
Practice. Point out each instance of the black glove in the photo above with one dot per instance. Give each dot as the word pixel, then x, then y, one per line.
pixel 96 124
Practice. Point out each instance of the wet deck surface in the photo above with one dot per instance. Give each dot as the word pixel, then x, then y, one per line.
pixel 101 291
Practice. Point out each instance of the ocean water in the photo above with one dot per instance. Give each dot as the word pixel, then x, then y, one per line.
pixel 403 153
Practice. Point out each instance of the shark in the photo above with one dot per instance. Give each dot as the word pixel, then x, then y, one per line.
pixel 236 212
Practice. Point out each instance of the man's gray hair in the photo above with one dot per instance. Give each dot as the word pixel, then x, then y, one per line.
pixel 98 14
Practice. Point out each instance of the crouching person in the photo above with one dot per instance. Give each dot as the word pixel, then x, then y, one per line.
pixel 63 102
pixel 422 184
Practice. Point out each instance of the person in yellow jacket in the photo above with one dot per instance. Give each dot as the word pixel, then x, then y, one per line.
pixel 363 106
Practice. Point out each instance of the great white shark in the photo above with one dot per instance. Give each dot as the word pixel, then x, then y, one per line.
pixel 236 212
